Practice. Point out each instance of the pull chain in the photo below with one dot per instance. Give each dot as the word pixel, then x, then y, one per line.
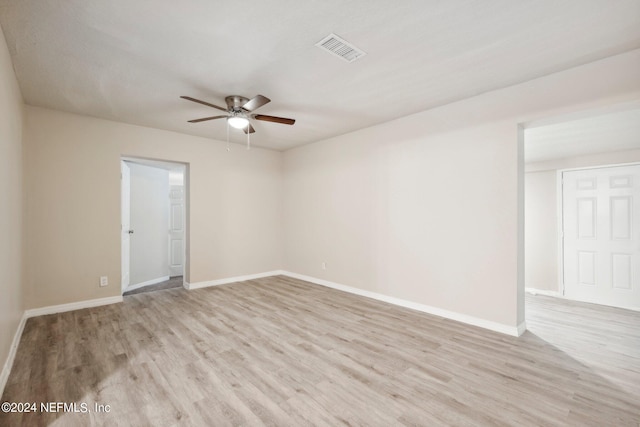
pixel 228 147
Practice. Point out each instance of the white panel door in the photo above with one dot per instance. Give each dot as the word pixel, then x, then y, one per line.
pixel 601 229
pixel 176 230
pixel 149 220
pixel 125 183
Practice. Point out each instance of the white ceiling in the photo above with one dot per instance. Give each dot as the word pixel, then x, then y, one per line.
pixel 130 60
pixel 604 133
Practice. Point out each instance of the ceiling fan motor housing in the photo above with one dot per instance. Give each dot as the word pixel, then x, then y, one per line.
pixel 235 102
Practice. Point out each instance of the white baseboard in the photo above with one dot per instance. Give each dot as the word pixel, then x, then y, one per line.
pixel 52 309
pixel 546 292
pixel 8 364
pixel 522 327
pixel 147 283
pixel 198 285
pixel 470 320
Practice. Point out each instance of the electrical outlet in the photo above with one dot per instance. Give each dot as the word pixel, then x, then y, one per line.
pixel 324 265
pixel 104 280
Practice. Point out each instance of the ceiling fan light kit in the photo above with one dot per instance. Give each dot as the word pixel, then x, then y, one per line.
pixel 238 122
pixel 237 116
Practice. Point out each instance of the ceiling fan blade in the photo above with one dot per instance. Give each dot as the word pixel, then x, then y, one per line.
pixel 274 119
pixel 207 118
pixel 255 102
pixel 188 98
pixel 249 129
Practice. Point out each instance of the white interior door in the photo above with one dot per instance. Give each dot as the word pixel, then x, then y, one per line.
pixel 176 230
pixel 125 222
pixel 601 229
pixel 149 258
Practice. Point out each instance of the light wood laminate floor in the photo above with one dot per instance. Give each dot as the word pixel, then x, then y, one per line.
pixel 279 351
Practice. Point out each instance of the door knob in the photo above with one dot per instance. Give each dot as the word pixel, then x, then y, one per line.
pixel 130 231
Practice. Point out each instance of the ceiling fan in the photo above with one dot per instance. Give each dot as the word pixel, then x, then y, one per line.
pixel 238 112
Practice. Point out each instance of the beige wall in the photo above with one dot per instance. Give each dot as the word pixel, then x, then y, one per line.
pixel 73 204
pixel 541 231
pixel 428 208
pixel 11 120
pixel 541 216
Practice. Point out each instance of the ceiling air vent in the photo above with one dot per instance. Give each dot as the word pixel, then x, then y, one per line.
pixel 341 48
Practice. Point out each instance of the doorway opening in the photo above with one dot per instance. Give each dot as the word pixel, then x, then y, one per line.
pixel 582 207
pixel 154 224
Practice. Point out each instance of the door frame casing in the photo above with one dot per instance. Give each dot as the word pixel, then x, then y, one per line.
pixel 187 197
pixel 560 229
pixel 124 188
